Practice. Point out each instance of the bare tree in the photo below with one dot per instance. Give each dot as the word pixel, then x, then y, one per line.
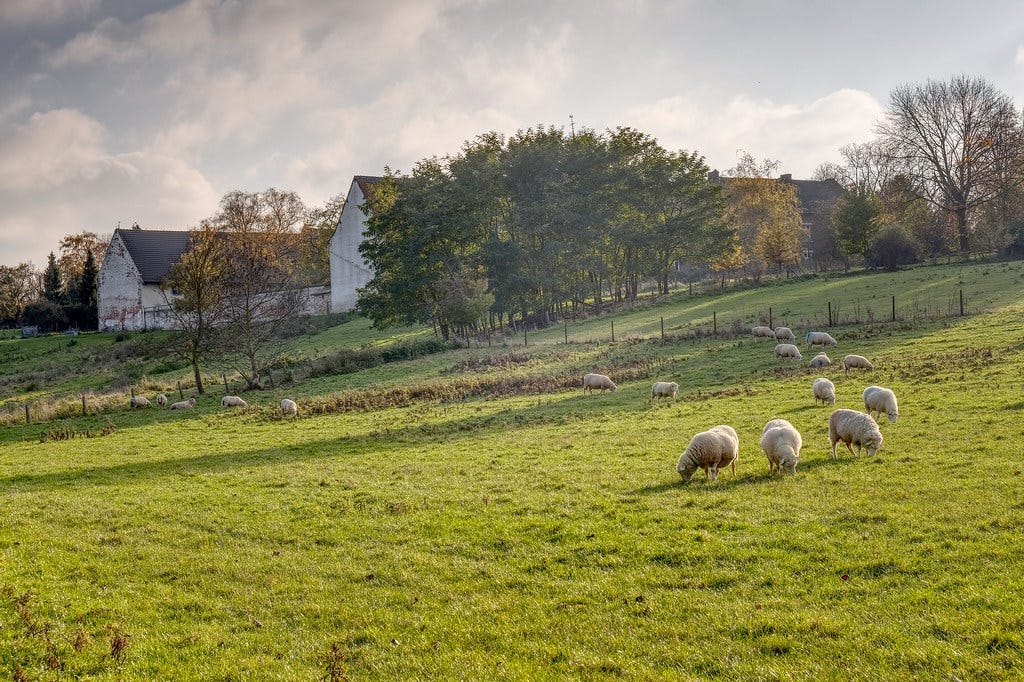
pixel 954 139
pixel 19 286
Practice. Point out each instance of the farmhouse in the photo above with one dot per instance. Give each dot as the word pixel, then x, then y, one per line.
pixel 136 262
pixel 349 272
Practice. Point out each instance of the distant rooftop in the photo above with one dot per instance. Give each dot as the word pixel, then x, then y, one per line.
pixel 154 251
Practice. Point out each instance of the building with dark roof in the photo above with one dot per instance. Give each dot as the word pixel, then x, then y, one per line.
pixel 349 271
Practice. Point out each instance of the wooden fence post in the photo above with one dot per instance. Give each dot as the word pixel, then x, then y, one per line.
pixel 613 331
pixel 567 333
pixel 714 322
pixel 770 323
pixel 663 329
pixel 525 340
pixel 961 303
pixel 894 308
pixel 181 394
pixel 28 416
pixel 830 313
pixel 83 404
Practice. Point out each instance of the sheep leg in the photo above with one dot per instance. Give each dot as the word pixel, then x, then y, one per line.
pixel 848 447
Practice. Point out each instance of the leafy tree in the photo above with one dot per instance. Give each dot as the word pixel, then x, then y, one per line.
pixel 194 293
pixel 19 286
pixel 75 248
pixel 314 258
pixel 45 314
pixel 53 284
pixel 81 307
pixel 855 221
pixel 957 141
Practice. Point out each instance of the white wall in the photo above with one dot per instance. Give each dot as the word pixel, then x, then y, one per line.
pixel 119 292
pixel 349 271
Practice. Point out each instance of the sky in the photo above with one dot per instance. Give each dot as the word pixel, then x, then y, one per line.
pixel 115 112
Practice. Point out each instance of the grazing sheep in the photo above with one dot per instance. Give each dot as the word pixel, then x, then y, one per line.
pixel 592 381
pixel 854 427
pixel 762 332
pixel 710 450
pixel 183 405
pixel 856 362
pixel 823 390
pixel 289 408
pixel 781 442
pixel 820 360
pixel 233 401
pixel 138 401
pixel 819 339
pixel 878 399
pixel 161 400
pixel 664 389
pixel 784 334
pixel 787 350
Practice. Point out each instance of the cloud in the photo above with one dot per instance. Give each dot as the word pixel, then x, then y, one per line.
pixel 57 177
pixel 1019 59
pixel 799 135
pixel 24 13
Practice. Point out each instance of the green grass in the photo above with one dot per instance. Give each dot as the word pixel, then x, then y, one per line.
pixel 536 533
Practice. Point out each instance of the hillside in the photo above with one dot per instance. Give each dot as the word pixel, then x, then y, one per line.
pixel 469 514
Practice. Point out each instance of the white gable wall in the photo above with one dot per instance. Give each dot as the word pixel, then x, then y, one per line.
pixel 119 289
pixel 349 272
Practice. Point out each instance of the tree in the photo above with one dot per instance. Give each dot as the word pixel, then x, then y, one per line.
pixel 193 292
pixel 81 305
pixel 855 221
pixel 53 284
pixel 75 248
pixel 892 247
pixel 260 291
pixel 19 286
pixel 956 140
pixel 314 258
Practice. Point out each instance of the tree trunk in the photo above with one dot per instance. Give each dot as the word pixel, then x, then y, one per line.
pixel 961 229
pixel 197 375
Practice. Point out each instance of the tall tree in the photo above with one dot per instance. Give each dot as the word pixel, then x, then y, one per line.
pixel 19 286
pixel 194 292
pixel 314 258
pixel 74 248
pixel 954 139
pixel 53 283
pixel 855 221
pixel 82 301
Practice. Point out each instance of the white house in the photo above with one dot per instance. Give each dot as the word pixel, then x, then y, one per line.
pixel 349 272
pixel 137 261
pixel 128 293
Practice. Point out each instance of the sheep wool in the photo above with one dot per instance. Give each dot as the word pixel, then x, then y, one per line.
pixel 856 362
pixel 592 381
pixel 819 361
pixel 823 390
pixel 787 350
pixel 854 428
pixel 710 450
pixel 820 339
pixel 233 401
pixel 161 400
pixel 879 400
pixel 664 389
pixel 289 407
pixel 183 405
pixel 761 332
pixel 781 443
pixel 784 334
pixel 139 401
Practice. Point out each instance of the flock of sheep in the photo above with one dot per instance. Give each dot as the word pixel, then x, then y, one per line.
pixel 719 446
pixel 289 408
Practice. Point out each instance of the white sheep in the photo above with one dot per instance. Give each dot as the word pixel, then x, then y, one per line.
pixel 289 408
pixel 787 350
pixel 762 332
pixel 710 450
pixel 784 334
pixel 183 405
pixel 161 400
pixel 820 360
pixel 819 339
pixel 856 362
pixel 878 399
pixel 592 381
pixel 823 390
pixel 664 389
pixel 233 401
pixel 138 401
pixel 854 427
pixel 781 443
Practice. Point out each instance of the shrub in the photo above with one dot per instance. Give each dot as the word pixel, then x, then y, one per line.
pixel 892 247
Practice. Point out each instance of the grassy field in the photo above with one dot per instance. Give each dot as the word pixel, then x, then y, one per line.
pixel 470 514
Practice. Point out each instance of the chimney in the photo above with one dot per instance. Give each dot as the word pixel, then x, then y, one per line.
pixel 786 177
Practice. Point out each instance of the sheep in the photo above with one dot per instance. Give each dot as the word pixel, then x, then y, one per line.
pixel 664 389
pixel 710 450
pixel 855 361
pixel 183 405
pixel 592 381
pixel 289 408
pixel 819 339
pixel 854 427
pixel 878 399
pixel 233 401
pixel 823 390
pixel 762 332
pixel 781 443
pixel 138 401
pixel 820 360
pixel 784 334
pixel 161 400
pixel 787 350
